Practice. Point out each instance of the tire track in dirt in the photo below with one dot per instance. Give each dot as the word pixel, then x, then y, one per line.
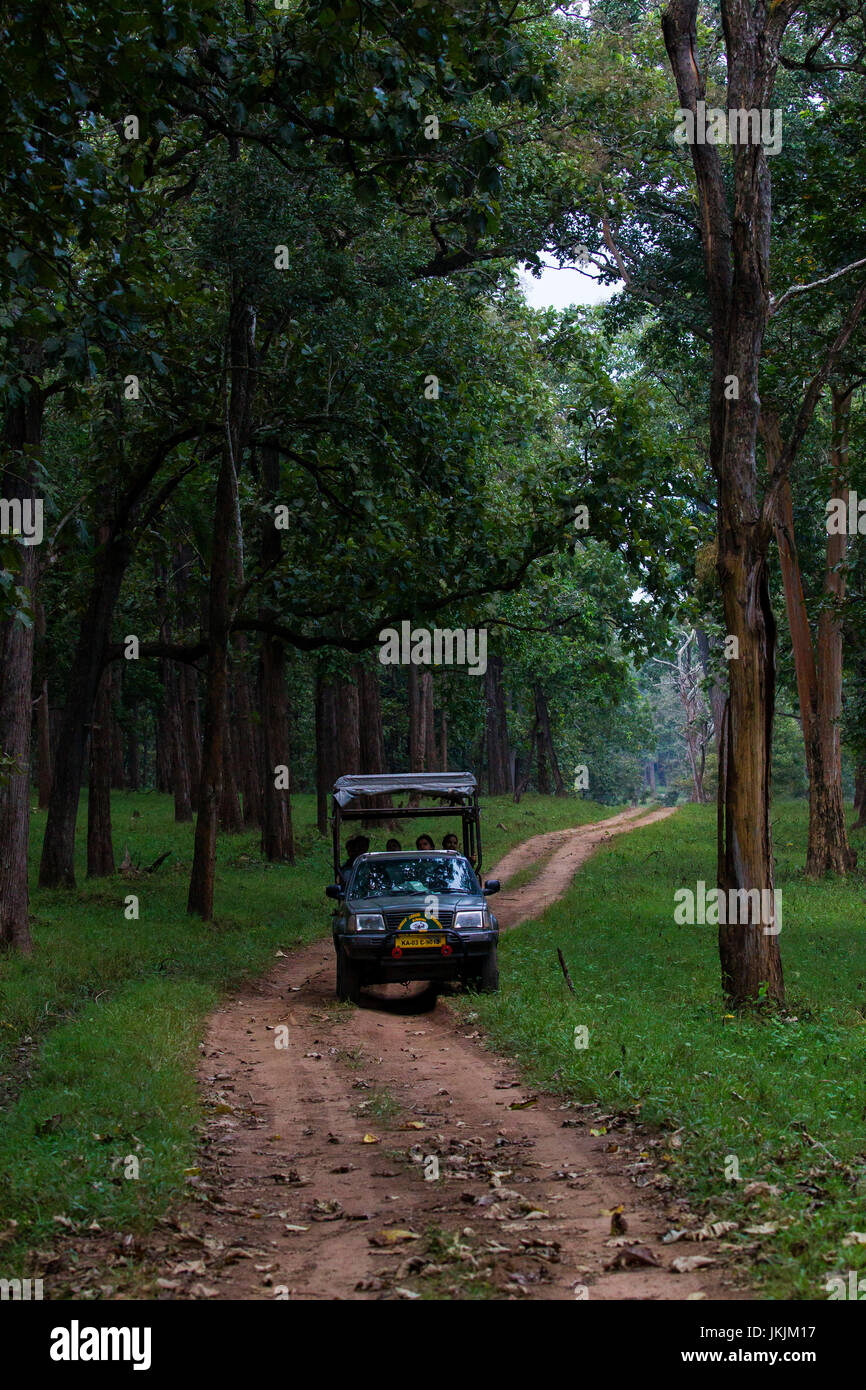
pixel 314 1150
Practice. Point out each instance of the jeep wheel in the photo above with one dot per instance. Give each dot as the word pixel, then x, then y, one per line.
pixel 348 979
pixel 488 980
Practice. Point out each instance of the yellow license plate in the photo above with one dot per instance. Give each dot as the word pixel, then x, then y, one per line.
pixel 420 938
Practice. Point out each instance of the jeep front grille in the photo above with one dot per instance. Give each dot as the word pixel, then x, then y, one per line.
pixel 445 918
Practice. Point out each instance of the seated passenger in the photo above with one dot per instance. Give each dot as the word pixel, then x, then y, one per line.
pixel 393 846
pixel 358 844
pixel 424 842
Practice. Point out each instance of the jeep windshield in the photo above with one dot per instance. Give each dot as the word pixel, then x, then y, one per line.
pixel 398 877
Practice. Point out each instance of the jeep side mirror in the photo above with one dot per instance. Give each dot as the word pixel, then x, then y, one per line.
pixel 491 886
pixel 335 890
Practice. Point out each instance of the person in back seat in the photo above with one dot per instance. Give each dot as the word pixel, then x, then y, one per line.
pixel 359 844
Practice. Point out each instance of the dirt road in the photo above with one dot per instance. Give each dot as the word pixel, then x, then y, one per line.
pixel 318 1174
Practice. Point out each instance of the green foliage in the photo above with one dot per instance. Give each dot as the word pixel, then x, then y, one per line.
pixel 99 1028
pixel 785 1094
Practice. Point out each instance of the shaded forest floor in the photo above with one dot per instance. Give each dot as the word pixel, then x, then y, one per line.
pixel 102 1030
pixel 383 1153
pixel 784 1096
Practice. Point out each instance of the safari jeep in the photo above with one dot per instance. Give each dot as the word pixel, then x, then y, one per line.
pixel 413 914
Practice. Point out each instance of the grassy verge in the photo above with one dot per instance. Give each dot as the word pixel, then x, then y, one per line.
pixel 99 1028
pixel 784 1096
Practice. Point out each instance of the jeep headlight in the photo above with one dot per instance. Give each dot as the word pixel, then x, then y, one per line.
pixel 367 921
pixel 473 921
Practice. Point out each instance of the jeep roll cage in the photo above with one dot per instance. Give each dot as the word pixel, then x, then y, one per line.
pixel 459 789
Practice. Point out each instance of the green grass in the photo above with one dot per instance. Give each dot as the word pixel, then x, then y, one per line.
pixel 99 1028
pixel 759 1089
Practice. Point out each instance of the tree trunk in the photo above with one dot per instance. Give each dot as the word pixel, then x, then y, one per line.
pixel 22 434
pixel 417 731
pixel 542 712
pixel 277 836
pixel 231 816
pixel 179 766
pixel 43 719
pixel 829 850
pixel 818 666
pixel 716 691
pixel 443 738
pixel 191 728
pixel 497 728
pixel 522 782
pixel 115 683
pixel 201 887
pixel 57 868
pixel 326 749
pixel 100 851
pixel 749 952
pixel 163 743
pixel 541 777
pixel 225 564
pixel 247 761
pixel 273 747
pixel 371 733
pixel 186 676
pixel 348 732
pixel 431 757
pixel 736 257
pixel 860 795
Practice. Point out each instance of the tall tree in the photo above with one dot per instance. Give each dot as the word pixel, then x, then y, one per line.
pixel 735 232
pixel 21 438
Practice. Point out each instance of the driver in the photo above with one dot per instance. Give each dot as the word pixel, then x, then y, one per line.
pixel 359 844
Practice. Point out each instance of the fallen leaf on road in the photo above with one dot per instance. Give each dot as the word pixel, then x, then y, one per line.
pixel 326 1210
pixel 632 1256
pixel 713 1230
pixel 523 1104
pixel 393 1235
pixel 370 1139
pixel 684 1264
pixel 761 1189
